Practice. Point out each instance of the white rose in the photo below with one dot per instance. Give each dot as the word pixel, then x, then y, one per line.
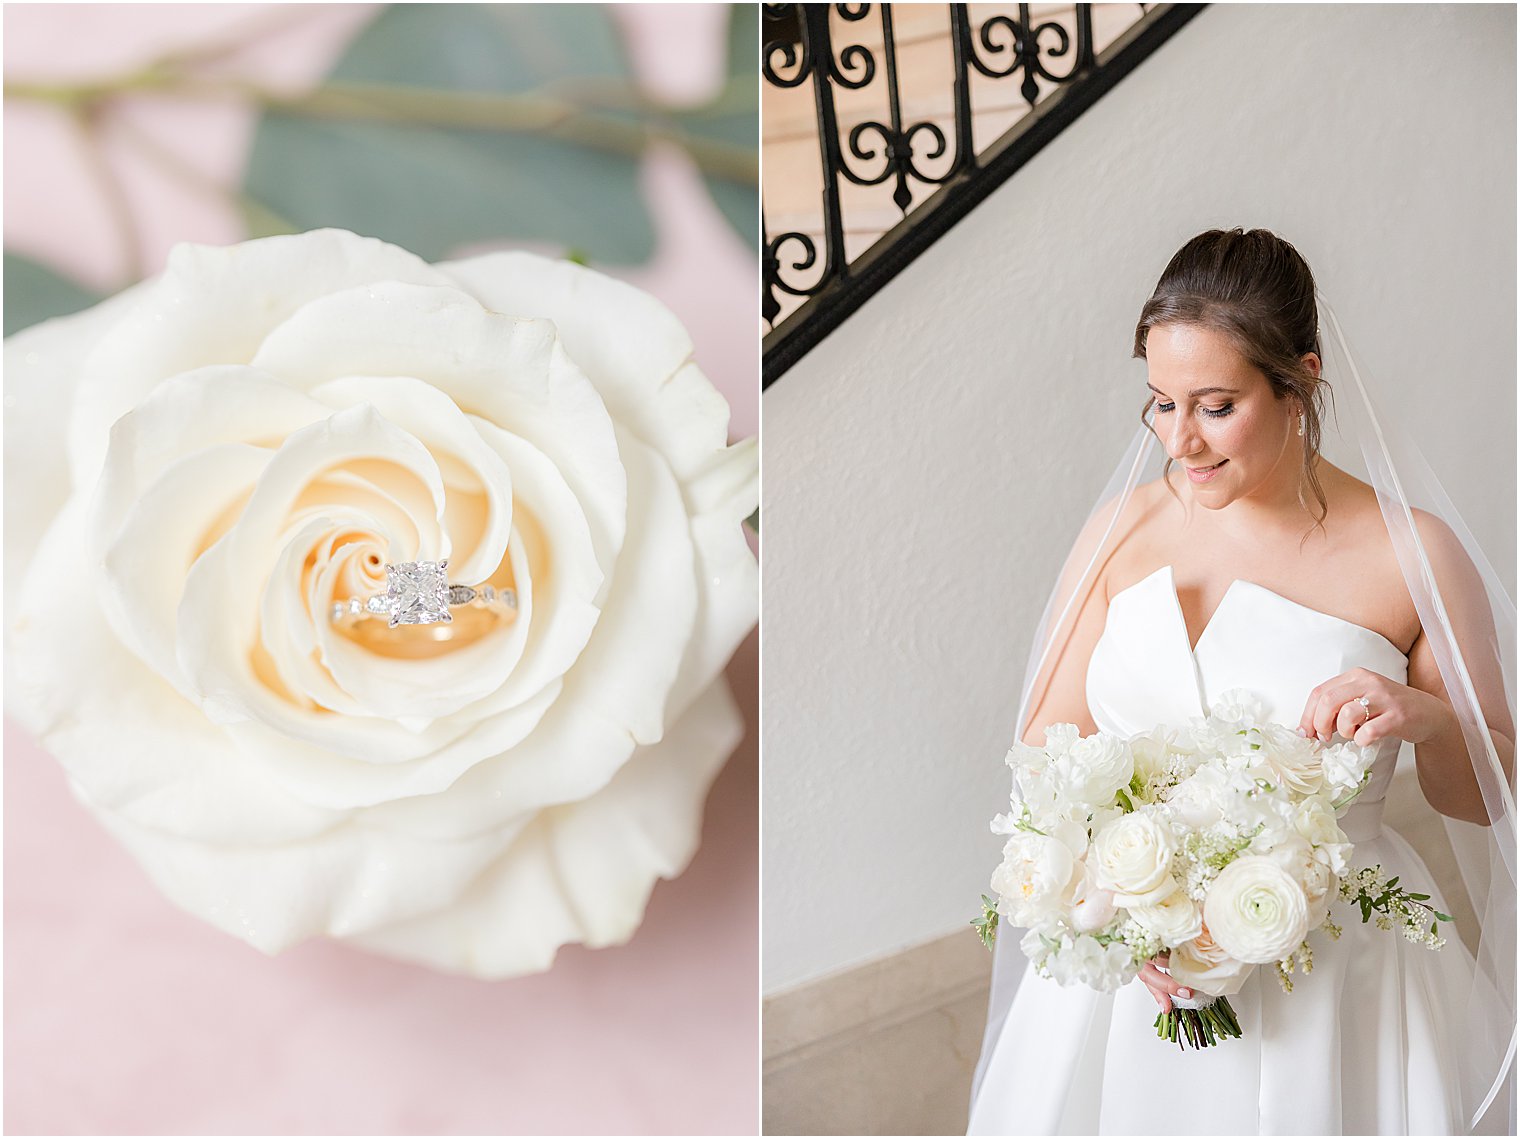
pixel 1309 870
pixel 1134 856
pixel 1033 878
pixel 197 469
pixel 1201 965
pixel 1256 911
pixel 1314 819
pixel 1092 769
pixel 1174 919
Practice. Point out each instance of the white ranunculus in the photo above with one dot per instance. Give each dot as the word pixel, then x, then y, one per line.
pixel 1201 965
pixel 1256 911
pixel 199 467
pixel 1134 856
pixel 1174 919
pixel 1092 769
pixel 1293 759
pixel 1344 765
pixel 1304 864
pixel 1033 877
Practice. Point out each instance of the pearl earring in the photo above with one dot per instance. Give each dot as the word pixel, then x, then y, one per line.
pixel 1300 424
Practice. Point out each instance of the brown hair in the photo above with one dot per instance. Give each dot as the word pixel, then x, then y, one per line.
pixel 1255 288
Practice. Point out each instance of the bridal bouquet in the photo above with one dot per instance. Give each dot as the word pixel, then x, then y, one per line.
pixel 1216 843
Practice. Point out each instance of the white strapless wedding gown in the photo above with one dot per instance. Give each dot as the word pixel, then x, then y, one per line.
pixel 1363 1044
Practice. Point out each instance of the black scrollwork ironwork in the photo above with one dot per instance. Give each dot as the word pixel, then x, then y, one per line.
pixel 798 47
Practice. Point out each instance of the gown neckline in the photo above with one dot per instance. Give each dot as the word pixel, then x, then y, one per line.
pixel 1193 646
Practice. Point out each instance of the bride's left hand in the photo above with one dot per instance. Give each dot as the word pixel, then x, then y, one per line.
pixel 1393 710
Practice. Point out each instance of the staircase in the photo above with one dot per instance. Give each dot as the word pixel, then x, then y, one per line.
pixel 885 124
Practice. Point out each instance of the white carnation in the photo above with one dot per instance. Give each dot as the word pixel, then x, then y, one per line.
pixel 1094 768
pixel 1344 765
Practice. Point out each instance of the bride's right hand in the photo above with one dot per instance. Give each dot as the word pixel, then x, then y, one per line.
pixel 1162 987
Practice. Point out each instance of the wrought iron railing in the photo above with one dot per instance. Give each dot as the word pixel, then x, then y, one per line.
pixel 935 171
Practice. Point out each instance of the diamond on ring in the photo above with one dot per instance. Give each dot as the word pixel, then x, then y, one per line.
pixel 419 593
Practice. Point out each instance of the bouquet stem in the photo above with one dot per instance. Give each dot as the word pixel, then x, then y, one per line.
pixel 1199 1027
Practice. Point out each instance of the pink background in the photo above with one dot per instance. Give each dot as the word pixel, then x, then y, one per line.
pixel 123 1014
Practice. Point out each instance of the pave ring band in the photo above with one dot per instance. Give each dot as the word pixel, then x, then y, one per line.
pixel 1366 710
pixel 419 593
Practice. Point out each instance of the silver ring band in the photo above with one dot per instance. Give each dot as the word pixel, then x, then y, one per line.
pixel 420 593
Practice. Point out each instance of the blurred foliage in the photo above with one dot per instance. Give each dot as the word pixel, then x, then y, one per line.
pixel 444 125
pixel 734 118
pixel 431 188
pixel 34 293
pixel 447 124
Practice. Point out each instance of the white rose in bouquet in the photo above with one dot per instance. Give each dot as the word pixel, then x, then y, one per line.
pixel 1174 919
pixel 199 469
pixel 1315 820
pixel 1256 911
pixel 1134 858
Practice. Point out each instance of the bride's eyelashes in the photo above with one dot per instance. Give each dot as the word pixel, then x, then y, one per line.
pixel 1211 412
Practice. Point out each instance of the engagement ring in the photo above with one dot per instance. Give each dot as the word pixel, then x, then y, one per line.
pixel 1366 711
pixel 419 593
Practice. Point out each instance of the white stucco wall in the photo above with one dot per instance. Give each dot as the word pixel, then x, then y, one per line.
pixel 925 467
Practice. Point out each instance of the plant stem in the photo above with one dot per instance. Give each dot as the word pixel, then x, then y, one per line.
pixel 526 113
pixel 87 121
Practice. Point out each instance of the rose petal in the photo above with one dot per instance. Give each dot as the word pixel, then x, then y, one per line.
pixel 615 696
pixel 437 422
pixel 633 348
pixel 41 374
pixel 510 372
pixel 217 620
pixel 215 305
pixel 130 743
pixel 582 872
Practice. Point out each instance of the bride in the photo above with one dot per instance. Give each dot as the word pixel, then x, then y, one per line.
pixel 1255 563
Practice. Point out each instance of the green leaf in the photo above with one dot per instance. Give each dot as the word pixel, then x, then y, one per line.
pixel 733 119
pixel 1442 917
pixel 34 293
pixel 432 188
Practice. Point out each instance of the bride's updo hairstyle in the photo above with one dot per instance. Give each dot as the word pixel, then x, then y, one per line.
pixel 1253 287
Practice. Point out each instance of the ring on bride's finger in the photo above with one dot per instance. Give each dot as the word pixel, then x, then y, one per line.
pixel 1366 711
pixel 419 593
